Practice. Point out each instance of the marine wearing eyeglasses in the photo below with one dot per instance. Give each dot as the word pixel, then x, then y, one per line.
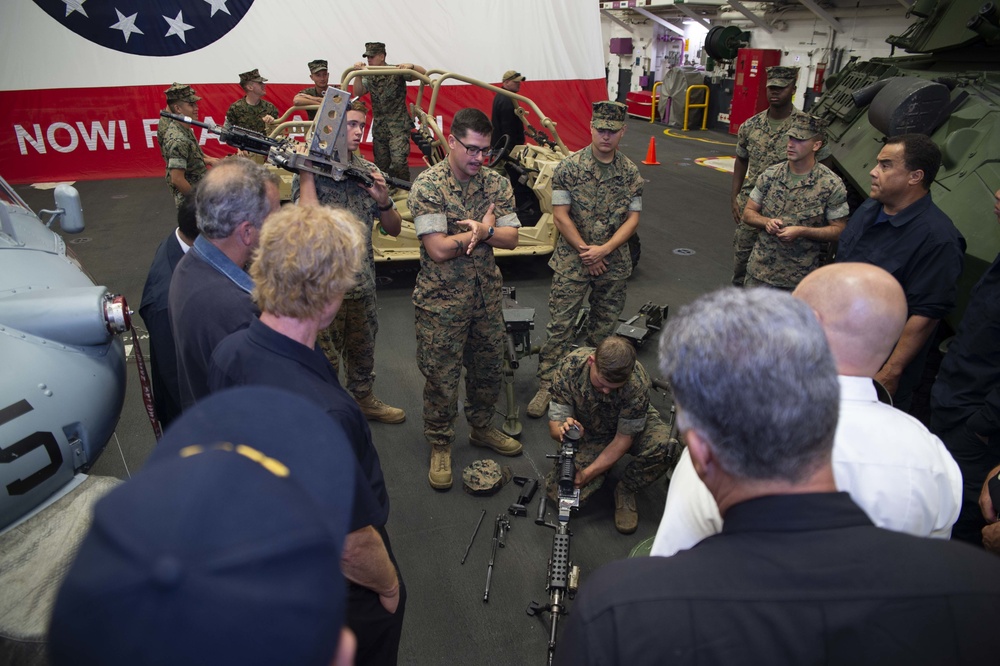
pixel 461 211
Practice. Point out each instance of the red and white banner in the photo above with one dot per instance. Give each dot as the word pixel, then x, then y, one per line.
pixel 82 81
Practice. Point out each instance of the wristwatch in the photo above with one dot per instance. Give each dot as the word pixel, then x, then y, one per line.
pixel 489 234
pixel 388 206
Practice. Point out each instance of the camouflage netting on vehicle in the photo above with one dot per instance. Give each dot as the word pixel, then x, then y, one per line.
pixel 485 477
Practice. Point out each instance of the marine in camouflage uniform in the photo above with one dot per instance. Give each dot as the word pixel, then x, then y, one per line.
pixel 815 200
pixel 351 335
pixel 320 75
pixel 601 199
pixel 761 143
pixel 623 412
pixel 392 123
pixel 458 301
pixel 251 117
pixel 178 145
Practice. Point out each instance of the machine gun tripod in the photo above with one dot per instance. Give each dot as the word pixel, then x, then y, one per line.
pixel 563 578
pixel 518 323
pixel 327 154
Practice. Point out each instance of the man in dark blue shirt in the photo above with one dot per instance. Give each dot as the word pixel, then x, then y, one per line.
pixel 308 259
pixel 901 230
pixel 965 398
pixel 153 310
pixel 210 291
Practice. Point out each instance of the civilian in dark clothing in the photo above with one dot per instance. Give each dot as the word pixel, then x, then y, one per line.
pixel 965 398
pixel 307 260
pixel 901 230
pixel 504 119
pixel 506 123
pixel 210 291
pixel 153 310
pixel 799 575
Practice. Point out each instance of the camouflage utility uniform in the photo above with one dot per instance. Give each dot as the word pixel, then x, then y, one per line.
pixel 625 410
pixel 392 124
pixel 352 333
pixel 762 144
pixel 312 92
pixel 180 150
pixel 813 201
pixel 242 114
pixel 600 198
pixel 459 315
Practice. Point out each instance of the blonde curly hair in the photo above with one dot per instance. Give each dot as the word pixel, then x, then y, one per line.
pixel 308 255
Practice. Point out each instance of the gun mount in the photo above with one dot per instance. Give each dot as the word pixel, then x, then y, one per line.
pixel 326 155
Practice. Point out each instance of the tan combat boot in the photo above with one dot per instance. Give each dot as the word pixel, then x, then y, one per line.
pixel 538 404
pixel 376 410
pixel 494 439
pixel 626 515
pixel 439 475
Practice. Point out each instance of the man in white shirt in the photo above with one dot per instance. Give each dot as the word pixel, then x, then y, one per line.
pixel 890 464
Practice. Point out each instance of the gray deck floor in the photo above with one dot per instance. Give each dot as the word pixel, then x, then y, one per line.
pixel 686 205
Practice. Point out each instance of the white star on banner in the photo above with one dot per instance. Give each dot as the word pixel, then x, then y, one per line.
pixel 75 6
pixel 177 26
pixel 126 24
pixel 218 5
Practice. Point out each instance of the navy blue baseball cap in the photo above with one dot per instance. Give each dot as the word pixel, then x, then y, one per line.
pixel 218 550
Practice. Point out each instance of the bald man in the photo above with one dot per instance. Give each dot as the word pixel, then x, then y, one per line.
pixel 889 463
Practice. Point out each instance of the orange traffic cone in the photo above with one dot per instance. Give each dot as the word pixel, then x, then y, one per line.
pixel 651 153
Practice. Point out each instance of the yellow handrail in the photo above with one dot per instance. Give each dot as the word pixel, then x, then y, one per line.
pixel 652 111
pixel 688 106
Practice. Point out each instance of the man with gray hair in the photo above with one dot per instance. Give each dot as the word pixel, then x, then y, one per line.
pixel 890 464
pixel 799 574
pixel 210 290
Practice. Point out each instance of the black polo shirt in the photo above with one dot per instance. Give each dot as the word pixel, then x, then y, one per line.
pixel 261 355
pixel 792 579
pixel 920 247
pixel 967 389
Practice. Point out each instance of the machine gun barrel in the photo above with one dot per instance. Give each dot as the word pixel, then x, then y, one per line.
pixel 500 527
pixel 237 137
pixel 327 156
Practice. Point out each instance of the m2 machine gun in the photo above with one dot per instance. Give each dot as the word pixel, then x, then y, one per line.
pixel 563 575
pixel 327 154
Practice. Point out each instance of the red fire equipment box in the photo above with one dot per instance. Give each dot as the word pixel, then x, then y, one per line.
pixel 750 85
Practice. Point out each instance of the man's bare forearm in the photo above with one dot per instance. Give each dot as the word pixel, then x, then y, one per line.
pixel 366 562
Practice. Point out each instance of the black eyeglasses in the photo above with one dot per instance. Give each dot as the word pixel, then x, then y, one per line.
pixel 473 151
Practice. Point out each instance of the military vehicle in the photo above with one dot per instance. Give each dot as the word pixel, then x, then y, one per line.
pixel 64 363
pixel 948 87
pixel 535 162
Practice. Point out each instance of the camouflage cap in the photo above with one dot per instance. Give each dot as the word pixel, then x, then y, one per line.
pixel 513 75
pixel 373 48
pixel 178 92
pixel 806 127
pixel 484 477
pixel 782 77
pixel 252 75
pixel 317 66
pixel 608 116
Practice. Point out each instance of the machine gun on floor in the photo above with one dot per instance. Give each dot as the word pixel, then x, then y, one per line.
pixel 563 576
pixel 327 153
